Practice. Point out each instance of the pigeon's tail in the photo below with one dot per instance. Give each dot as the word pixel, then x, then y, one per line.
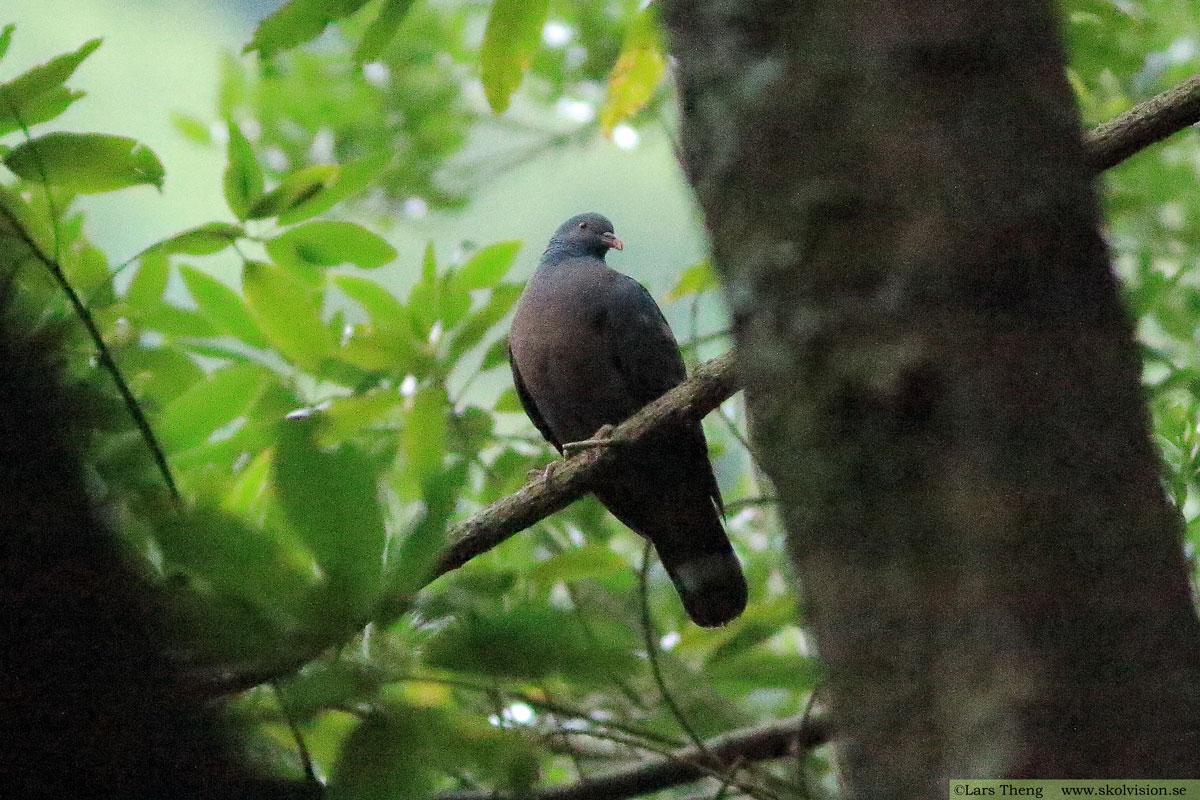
pixel 711 587
pixel 667 493
pixel 682 523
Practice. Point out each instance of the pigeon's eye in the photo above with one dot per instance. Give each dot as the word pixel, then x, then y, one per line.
pixel 583 226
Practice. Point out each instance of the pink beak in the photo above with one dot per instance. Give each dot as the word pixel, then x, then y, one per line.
pixel 612 241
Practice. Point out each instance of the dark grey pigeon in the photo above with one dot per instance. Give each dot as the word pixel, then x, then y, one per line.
pixel 588 348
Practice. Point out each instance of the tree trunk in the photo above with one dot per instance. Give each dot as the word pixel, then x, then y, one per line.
pixel 944 387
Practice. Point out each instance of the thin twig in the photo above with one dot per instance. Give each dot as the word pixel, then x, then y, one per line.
pixel 750 502
pixel 560 709
pixel 763 743
pixel 722 774
pixel 572 753
pixel 736 432
pixel 102 352
pixel 695 342
pixel 726 776
pixel 310 772
pixel 577 608
pixel 725 786
pixel 652 651
pixel 81 310
pixel 801 772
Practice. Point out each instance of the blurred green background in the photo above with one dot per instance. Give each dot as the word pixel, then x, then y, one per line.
pixel 164 58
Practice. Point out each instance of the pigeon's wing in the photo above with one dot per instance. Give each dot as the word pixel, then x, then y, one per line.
pixel 531 409
pixel 640 343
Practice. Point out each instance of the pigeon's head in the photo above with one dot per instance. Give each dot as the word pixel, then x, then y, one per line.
pixel 585 234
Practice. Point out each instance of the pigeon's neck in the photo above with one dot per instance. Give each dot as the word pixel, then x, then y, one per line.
pixel 559 250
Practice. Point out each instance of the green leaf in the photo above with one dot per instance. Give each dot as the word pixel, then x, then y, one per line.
pixel 429 264
pixel 6 39
pixel 192 129
pixel 761 669
pixel 26 99
pixel 190 419
pixel 346 416
pixel 287 314
pixel 200 241
pixel 243 178
pixel 295 190
pixel 261 565
pixel 403 751
pixel 225 628
pixel 381 30
pixel 381 305
pixel 425 433
pixel 331 499
pixel 327 243
pixel 86 163
pixel 509 402
pixel 330 684
pixel 473 428
pixel 410 566
pixel 528 642
pixel 488 266
pixel 480 322
pixel 497 354
pixel 452 304
pixel 377 351
pixel 349 180
pixel 637 72
pixel 384 758
pixel 150 281
pixel 86 267
pixel 160 373
pixel 222 306
pixel 590 562
pixel 694 280
pixel 248 495
pixel 177 322
pixel 514 30
pixel 297 22
pixel 42 108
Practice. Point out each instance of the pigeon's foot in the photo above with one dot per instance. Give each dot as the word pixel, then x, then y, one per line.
pixel 601 438
pixel 545 473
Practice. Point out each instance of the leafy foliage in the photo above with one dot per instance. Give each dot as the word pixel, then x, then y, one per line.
pixel 85 162
pixel 637 72
pixel 327 429
pixel 513 30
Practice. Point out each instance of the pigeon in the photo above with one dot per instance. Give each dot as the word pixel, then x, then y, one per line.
pixel 588 348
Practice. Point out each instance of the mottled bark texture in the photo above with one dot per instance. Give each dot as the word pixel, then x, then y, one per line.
pixel 944 387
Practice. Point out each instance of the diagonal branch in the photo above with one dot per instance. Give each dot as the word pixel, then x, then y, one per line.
pixel 724 752
pixel 1110 143
pixel 711 384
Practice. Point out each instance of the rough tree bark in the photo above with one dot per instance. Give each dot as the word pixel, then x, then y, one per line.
pixel 944 387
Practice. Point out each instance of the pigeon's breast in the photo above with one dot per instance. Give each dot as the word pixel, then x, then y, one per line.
pixel 562 350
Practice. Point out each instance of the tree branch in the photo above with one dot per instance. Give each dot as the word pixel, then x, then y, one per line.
pixel 712 383
pixel 774 740
pixel 1148 122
